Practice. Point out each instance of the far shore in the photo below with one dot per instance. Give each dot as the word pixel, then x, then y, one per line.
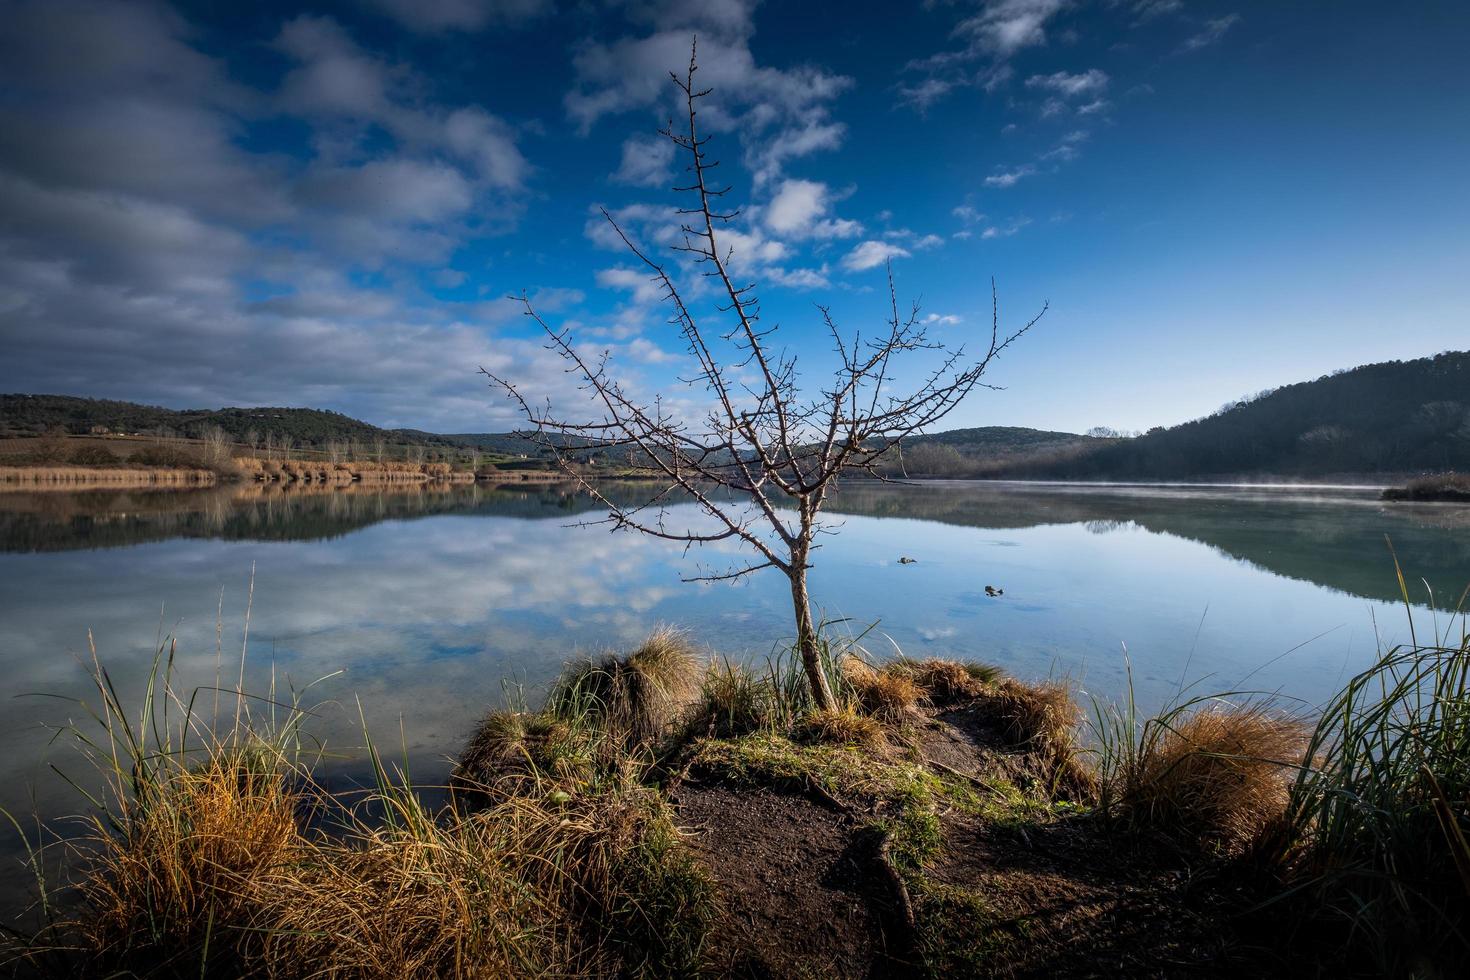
pixel 70 478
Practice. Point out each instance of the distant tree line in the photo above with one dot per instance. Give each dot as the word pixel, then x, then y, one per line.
pixel 1394 417
pixel 27 415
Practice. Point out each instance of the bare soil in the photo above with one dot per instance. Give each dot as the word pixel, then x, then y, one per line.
pixel 804 893
pixel 807 893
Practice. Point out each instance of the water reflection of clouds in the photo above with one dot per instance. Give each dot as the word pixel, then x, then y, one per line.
pixel 429 615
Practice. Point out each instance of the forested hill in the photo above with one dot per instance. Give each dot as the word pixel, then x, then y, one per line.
pixel 1394 417
pixel 22 415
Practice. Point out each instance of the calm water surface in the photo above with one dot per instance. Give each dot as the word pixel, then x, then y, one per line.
pixel 429 600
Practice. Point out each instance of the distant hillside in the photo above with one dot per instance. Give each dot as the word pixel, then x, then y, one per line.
pixel 984 451
pixel 1394 417
pixel 22 415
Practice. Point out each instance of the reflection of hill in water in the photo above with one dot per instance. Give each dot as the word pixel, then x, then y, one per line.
pixel 1335 541
pixel 64 521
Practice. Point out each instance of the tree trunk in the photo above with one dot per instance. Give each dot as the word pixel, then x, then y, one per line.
pixel 806 639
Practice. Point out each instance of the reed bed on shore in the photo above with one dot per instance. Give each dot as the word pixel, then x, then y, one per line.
pixel 326 473
pixel 99 477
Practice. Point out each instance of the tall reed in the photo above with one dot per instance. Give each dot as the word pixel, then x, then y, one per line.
pixel 1381 814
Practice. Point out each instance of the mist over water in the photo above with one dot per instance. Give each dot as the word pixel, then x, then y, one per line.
pixel 429 600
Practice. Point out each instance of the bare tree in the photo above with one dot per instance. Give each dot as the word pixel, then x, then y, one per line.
pixel 336 451
pixel 285 442
pixel 763 457
pixel 380 446
pixel 216 445
pixel 252 439
pixel 270 444
pixel 416 454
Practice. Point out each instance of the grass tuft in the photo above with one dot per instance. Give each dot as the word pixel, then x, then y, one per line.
pixel 635 699
pixel 1380 817
pixel 512 752
pixel 946 680
pixel 889 696
pixel 1043 719
pixel 1216 777
pixel 841 726
pixel 732 701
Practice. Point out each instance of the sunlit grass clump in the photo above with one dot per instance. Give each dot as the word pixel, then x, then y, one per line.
pixel 1212 775
pixel 215 853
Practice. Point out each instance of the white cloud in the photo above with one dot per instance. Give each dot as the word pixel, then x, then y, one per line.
pixel 997 231
pixel 796 206
pixel 394 189
pixel 990 36
pixel 799 208
pixel 799 278
pixel 872 253
pixel 778 114
pixel 338 83
pixel 967 214
pixel 148 252
pixel 1070 85
pixel 647 162
pixel 644 350
pixel 1096 106
pixel 333 76
pixel 1003 27
pixel 1213 31
pixel 1148 9
pixel 645 289
pixel 435 16
pixel 1009 178
pixel 943 320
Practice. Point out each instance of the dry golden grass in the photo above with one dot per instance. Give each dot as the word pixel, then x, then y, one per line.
pixel 889 696
pixel 319 472
pixel 841 726
pixel 637 699
pixel 84 477
pixel 1043 718
pixel 511 751
pixel 433 902
pixel 190 855
pixel 945 680
pixel 1218 777
pixel 217 871
pixel 214 853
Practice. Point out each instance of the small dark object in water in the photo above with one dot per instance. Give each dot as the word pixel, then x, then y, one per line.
pixel 906 560
pixel 992 591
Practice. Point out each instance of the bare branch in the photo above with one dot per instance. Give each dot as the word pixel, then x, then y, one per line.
pixel 757 468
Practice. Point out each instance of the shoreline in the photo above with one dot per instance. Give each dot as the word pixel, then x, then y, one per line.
pixel 662 811
pixel 83 478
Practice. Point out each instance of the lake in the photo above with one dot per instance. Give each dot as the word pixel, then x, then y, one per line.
pixel 428 601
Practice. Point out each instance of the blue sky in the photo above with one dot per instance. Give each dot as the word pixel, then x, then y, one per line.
pixel 325 205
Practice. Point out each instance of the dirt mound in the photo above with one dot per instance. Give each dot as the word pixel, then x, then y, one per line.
pixel 1067 899
pixel 805 895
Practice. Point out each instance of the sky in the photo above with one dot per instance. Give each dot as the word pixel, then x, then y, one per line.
pixel 330 205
